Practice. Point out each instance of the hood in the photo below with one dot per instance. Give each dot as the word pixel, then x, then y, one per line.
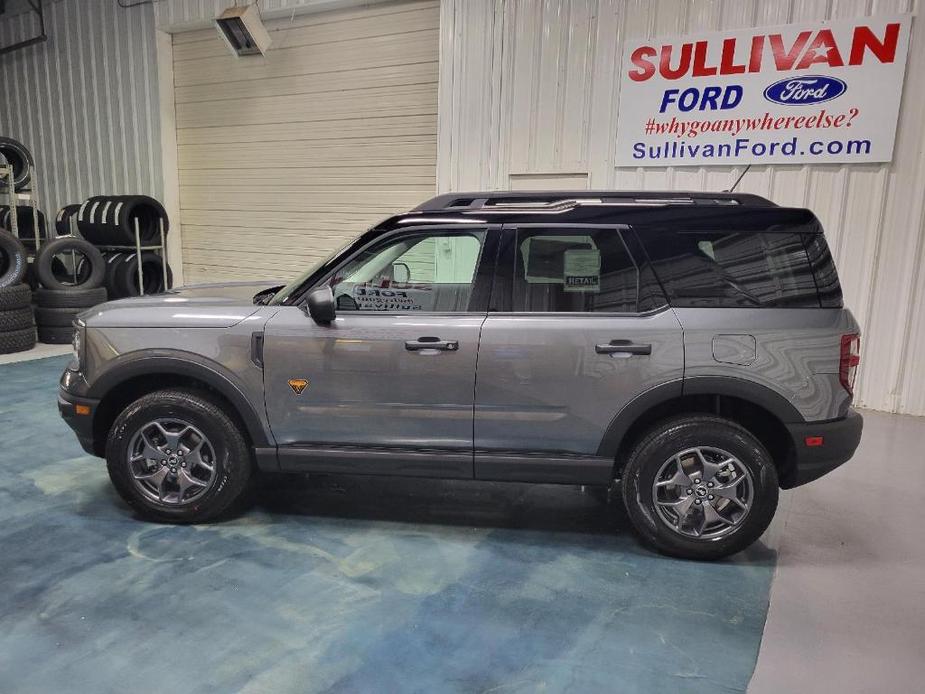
pixel 194 306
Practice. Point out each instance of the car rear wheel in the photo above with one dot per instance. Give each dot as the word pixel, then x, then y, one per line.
pixel 175 456
pixel 700 487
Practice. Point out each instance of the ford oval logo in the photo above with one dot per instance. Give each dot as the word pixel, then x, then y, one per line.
pixel 805 89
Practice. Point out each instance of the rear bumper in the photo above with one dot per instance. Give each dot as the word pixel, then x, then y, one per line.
pixel 840 439
pixel 82 424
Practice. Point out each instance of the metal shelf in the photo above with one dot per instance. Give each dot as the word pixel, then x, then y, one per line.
pixel 21 198
pixel 27 198
pixel 137 248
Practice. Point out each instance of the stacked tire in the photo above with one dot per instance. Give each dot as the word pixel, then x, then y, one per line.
pixel 71 272
pixel 110 220
pixel 56 310
pixel 17 327
pixel 19 157
pixel 25 222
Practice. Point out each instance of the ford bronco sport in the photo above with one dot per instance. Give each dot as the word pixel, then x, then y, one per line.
pixel 690 348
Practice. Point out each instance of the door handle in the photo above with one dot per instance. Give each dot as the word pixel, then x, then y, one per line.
pixel 623 347
pixel 431 343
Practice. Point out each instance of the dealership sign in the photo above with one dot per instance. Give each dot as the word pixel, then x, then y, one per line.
pixel 821 92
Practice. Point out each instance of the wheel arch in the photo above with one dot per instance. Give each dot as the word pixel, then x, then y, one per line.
pixel 762 411
pixel 129 380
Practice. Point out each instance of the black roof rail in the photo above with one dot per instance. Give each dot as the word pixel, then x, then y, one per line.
pixel 556 201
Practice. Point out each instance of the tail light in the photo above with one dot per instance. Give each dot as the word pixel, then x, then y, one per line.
pixel 850 358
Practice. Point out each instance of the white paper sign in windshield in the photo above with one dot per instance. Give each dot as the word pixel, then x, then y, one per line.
pixel 815 92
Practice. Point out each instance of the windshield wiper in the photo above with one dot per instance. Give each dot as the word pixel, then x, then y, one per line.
pixel 262 298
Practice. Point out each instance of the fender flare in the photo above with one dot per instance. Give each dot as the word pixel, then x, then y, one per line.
pixel 176 362
pixel 752 392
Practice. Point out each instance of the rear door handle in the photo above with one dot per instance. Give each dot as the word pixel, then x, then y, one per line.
pixel 623 347
pixel 431 343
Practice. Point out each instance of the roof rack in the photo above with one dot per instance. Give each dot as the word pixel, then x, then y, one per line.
pixel 552 202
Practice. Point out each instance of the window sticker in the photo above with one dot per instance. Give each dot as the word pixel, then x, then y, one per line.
pixel 582 270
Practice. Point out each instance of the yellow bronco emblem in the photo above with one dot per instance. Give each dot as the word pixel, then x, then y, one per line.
pixel 298 385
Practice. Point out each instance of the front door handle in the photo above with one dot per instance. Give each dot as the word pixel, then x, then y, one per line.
pixel 623 347
pixel 431 343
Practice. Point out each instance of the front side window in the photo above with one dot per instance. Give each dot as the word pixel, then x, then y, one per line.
pixel 575 270
pixel 417 271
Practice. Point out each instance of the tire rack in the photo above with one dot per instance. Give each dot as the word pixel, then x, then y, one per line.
pixel 137 248
pixel 21 199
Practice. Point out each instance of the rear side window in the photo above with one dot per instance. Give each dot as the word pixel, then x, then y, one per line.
pixel 579 270
pixel 743 269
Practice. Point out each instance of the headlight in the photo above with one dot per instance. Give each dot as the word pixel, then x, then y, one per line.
pixel 77 345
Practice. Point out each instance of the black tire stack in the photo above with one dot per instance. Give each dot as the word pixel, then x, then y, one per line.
pixel 25 218
pixel 17 327
pixel 71 272
pixel 19 157
pixel 109 220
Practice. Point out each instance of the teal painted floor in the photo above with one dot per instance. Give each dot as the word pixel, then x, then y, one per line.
pixel 346 585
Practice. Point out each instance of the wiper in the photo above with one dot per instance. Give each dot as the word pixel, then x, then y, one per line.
pixel 262 298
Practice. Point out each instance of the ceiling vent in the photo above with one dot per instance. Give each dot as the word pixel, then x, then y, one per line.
pixel 243 30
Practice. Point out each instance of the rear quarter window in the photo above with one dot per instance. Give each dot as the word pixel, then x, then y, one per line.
pixel 743 269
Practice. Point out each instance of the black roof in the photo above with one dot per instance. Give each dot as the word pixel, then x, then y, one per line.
pixel 651 209
pixel 549 198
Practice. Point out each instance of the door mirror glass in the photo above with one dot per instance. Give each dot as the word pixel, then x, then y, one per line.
pixel 401 273
pixel 321 305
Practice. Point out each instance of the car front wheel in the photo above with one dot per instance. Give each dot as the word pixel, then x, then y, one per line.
pixel 176 456
pixel 700 487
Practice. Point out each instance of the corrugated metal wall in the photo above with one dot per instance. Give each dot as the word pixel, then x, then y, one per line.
pixel 531 88
pixel 85 101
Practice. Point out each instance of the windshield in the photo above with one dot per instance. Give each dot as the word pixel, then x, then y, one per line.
pixel 284 293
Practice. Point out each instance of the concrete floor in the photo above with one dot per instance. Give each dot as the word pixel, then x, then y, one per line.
pixel 376 584
pixel 848 600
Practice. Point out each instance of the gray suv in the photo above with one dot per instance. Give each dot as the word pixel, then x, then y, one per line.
pixel 690 350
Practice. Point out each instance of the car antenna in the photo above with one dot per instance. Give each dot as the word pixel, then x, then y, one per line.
pixel 741 176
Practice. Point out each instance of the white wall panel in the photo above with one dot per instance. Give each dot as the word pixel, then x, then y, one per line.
pixel 282 158
pixel 186 15
pixel 530 90
pixel 85 101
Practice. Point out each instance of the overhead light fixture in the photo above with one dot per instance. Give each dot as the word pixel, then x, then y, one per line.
pixel 243 30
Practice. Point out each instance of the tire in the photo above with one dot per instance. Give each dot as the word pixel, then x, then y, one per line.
pixel 16 319
pixel 25 220
pixel 110 220
pixel 148 211
pixel 19 156
pixel 92 267
pixel 15 296
pixel 125 275
pixel 70 298
pixel 90 221
pixel 659 446
pixel 17 341
pixel 12 260
pixel 233 466
pixel 55 335
pixel 30 279
pixel 56 317
pixel 63 219
pixel 113 261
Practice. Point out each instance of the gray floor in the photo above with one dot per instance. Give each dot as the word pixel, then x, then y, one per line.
pixel 848 598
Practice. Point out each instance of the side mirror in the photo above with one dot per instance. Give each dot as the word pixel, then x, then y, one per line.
pixel 401 273
pixel 321 305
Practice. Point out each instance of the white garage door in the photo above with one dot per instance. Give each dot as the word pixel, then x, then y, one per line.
pixel 283 158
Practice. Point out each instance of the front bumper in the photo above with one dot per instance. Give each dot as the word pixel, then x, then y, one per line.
pixel 839 440
pixel 78 413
